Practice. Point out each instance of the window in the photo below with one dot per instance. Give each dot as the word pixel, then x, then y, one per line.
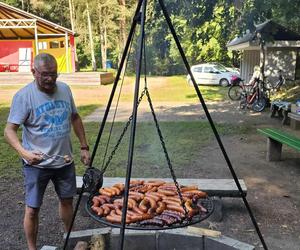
pixel 54 45
pixel 42 45
pixel 198 69
pixel 208 69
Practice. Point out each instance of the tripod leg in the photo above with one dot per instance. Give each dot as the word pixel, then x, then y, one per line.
pixel 168 19
pixel 132 30
pixel 133 125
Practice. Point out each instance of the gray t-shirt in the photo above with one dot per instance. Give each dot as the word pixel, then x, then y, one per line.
pixel 46 121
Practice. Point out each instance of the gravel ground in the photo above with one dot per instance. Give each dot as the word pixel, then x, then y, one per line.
pixel 273 187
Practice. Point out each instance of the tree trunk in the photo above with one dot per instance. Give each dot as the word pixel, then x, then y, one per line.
pixel 122 3
pixel 94 66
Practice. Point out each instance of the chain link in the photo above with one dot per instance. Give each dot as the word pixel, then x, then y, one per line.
pixel 122 135
pixel 165 151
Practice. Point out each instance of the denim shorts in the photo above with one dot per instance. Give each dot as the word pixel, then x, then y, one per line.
pixel 37 179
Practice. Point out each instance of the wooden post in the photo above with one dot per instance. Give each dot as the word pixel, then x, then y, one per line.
pixel 36 39
pixel 67 52
pixel 274 149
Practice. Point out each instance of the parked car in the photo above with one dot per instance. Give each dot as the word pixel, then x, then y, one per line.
pixel 211 73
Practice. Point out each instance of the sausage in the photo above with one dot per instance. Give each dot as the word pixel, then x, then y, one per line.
pixel 154 221
pixel 107 208
pixel 166 192
pixel 176 208
pixel 201 194
pixel 114 218
pixel 171 202
pixel 151 195
pixel 105 191
pixel 170 212
pixel 143 205
pixel 116 190
pixel 161 207
pixel 151 201
pixel 137 210
pixel 169 220
pixel 105 197
pixel 191 211
pixel 140 182
pixel 156 183
pixel 98 210
pixel 120 186
pixel 201 208
pixel 187 188
pixel 141 196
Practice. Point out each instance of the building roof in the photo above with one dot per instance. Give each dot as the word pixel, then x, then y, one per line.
pixel 269 28
pixel 19 24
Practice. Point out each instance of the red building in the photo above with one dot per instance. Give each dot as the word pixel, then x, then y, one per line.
pixel 24 35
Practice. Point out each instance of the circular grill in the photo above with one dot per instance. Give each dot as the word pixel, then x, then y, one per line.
pixel 207 203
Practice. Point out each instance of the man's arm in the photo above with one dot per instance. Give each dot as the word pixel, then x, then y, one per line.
pixel 10 134
pixel 79 131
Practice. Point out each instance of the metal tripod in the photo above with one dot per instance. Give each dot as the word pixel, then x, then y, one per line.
pixel 140 18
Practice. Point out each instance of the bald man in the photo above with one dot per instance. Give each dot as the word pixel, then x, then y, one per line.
pixel 45 108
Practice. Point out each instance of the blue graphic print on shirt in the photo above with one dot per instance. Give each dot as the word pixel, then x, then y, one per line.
pixel 54 115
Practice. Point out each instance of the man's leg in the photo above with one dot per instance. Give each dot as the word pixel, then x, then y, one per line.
pixel 66 212
pixel 31 223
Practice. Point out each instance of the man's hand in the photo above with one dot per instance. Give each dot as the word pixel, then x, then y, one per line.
pixel 32 158
pixel 85 157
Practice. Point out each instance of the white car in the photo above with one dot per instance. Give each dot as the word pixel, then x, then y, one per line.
pixel 210 73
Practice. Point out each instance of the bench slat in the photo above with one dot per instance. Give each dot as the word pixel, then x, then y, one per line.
pixel 214 187
pixel 282 137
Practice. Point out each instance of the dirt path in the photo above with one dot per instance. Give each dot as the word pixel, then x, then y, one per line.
pixel 273 187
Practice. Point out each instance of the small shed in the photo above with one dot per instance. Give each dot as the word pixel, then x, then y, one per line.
pixel 281 49
pixel 24 35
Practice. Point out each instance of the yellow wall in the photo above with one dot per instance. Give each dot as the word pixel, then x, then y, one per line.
pixel 59 53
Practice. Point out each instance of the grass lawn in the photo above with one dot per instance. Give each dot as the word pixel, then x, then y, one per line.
pixel 183 148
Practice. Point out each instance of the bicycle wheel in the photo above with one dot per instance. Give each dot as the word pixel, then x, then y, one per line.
pixel 234 92
pixel 259 104
pixel 243 101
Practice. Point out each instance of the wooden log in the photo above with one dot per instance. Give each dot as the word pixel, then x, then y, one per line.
pixel 203 231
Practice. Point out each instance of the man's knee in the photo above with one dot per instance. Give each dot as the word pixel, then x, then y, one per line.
pixel 66 202
pixel 31 212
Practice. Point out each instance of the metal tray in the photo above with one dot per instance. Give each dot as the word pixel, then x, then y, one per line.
pixel 207 203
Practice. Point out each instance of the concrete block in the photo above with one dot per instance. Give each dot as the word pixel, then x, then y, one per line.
pixel 225 243
pixel 134 242
pixel 167 241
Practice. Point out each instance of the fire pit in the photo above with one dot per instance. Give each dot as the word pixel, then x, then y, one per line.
pixel 156 240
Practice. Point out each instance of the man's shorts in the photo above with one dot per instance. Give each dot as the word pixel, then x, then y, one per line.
pixel 37 179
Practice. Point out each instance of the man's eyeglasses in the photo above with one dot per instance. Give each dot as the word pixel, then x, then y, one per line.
pixel 45 75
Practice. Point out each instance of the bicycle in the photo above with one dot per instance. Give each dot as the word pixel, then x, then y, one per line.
pixel 238 86
pixel 254 97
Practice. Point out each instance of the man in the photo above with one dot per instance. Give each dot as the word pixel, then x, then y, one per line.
pixel 45 108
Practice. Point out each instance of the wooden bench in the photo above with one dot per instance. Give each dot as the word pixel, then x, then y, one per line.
pixel 213 187
pixel 275 139
pixel 295 120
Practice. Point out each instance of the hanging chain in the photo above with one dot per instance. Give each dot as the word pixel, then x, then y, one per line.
pixel 165 151
pixel 122 135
